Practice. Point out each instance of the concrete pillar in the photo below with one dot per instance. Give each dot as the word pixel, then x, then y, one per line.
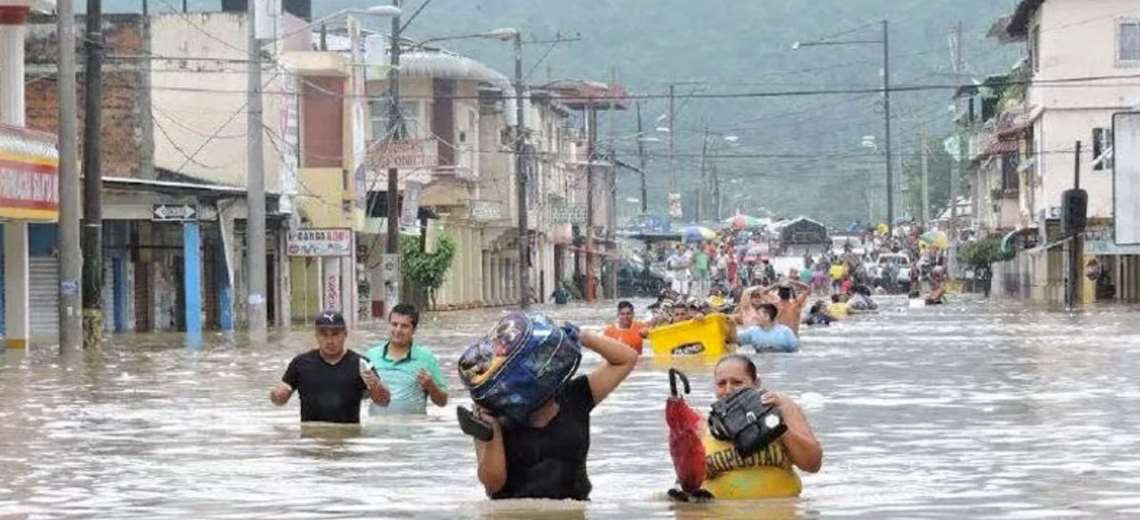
pixel 485 290
pixel 348 288
pixel 493 268
pixel 285 280
pixel 12 64
pixel 16 302
pixel 469 279
pixel 225 289
pixel 192 280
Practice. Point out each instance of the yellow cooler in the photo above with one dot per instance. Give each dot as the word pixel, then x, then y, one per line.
pixel 707 337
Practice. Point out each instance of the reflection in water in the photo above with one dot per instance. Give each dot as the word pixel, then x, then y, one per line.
pixel 976 408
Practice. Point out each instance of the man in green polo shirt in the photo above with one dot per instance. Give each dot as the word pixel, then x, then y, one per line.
pixel 410 371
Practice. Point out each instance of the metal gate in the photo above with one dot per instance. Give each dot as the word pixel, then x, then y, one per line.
pixel 43 293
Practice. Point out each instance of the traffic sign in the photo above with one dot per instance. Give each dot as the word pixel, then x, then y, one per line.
pixel 174 213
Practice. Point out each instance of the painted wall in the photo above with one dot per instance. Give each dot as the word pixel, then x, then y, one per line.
pixel 305 297
pixel 194 100
pixel 1071 113
pixel 1059 130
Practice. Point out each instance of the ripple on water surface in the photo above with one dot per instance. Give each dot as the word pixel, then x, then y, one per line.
pixel 977 408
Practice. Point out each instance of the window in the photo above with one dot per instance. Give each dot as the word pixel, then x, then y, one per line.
pixel 1128 42
pixel 378 113
pixel 1009 163
pixel 1102 148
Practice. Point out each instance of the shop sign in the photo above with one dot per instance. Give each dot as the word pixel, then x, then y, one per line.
pixel 29 178
pixel 320 242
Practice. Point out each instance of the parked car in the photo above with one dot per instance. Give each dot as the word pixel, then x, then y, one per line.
pixel 899 265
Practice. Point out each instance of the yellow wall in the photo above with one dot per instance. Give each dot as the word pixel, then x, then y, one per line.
pixel 305 296
pixel 320 195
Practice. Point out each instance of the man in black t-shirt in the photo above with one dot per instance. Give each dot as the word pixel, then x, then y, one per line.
pixel 331 380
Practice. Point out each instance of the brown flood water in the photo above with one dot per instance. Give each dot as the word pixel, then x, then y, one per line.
pixel 973 409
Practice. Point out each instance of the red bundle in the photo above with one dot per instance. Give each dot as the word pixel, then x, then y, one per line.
pixel 684 437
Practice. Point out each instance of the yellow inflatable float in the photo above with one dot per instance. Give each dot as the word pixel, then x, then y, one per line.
pixel 767 473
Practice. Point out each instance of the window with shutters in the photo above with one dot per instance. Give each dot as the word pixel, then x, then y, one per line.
pixel 1102 148
pixel 1128 42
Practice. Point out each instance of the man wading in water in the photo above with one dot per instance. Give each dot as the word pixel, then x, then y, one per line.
pixel 331 379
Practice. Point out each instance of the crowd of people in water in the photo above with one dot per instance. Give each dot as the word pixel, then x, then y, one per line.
pixel 545 457
pixel 740 258
pixel 544 454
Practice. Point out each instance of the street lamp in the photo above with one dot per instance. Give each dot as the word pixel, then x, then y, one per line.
pixel 382 11
pixel 885 43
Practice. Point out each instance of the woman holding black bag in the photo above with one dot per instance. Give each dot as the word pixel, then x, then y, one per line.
pixel 765 470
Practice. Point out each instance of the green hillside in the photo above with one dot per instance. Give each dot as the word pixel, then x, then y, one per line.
pixel 801 154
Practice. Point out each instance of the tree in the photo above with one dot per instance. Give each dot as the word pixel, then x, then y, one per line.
pixel 424 271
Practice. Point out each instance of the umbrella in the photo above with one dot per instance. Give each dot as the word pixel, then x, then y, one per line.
pixel 697 233
pixel 685 445
pixel 935 239
pixel 744 221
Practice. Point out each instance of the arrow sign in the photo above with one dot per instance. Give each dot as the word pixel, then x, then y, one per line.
pixel 174 213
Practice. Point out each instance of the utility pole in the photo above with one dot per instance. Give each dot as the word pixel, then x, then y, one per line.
pixel 611 210
pixel 93 180
pixel 255 194
pixel 887 127
pixel 956 177
pixel 641 161
pixel 925 178
pixel 672 144
pixel 591 152
pixel 716 191
pixel 392 245
pixel 520 178
pixel 704 177
pixel 146 114
pixel 70 260
pixel 1075 230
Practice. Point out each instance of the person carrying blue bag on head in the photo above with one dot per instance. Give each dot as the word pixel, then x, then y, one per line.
pixel 531 421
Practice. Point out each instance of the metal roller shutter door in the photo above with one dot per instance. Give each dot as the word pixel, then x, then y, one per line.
pixel 43 291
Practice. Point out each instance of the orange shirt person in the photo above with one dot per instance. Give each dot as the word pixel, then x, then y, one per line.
pixel 631 333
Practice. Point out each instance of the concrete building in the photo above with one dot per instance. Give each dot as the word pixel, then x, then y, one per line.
pixel 329 204
pixel 463 115
pixel 1057 116
pixel 29 183
pixel 198 99
pixel 593 184
pixel 174 172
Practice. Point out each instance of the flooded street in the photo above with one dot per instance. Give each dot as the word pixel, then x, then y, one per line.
pixel 973 409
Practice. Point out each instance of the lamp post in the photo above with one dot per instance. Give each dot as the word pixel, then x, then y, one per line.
pixel 383 11
pixel 884 41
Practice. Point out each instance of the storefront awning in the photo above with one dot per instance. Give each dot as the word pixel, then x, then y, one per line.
pixel 29 175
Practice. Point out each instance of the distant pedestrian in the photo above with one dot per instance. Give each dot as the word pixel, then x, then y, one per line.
pixel 561 295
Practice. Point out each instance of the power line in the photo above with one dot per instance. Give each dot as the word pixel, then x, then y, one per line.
pixel 1072 82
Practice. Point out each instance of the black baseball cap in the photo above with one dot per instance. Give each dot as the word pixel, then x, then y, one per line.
pixel 330 320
